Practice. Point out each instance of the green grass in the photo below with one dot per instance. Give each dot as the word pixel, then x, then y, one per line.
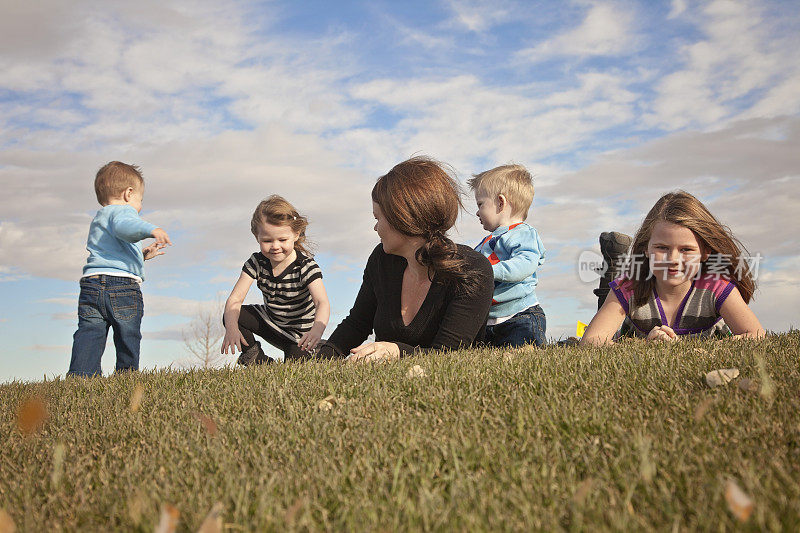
pixel 555 439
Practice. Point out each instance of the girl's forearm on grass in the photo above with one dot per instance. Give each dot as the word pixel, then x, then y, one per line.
pixel 757 334
pixel 596 340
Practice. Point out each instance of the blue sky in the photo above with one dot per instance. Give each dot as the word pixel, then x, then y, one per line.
pixel 610 104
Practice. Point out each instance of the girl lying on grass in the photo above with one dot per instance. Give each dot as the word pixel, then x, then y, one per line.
pixel 686 275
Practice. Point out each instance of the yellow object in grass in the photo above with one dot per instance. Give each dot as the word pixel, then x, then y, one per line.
pixel 580 329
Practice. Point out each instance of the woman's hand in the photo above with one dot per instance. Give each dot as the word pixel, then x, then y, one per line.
pixel 375 352
pixel 662 333
pixel 234 340
pixel 311 338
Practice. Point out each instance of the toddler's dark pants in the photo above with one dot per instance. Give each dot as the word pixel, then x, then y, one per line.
pixel 251 323
pixel 526 327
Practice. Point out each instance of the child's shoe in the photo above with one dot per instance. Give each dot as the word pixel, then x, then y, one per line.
pixel 253 354
pixel 613 246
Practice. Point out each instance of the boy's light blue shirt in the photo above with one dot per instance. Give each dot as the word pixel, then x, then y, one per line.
pixel 516 253
pixel 113 242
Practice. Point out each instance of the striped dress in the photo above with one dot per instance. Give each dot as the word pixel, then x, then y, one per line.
pixel 288 306
pixel 698 313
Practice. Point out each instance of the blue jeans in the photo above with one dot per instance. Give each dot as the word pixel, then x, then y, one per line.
pixel 107 301
pixel 527 326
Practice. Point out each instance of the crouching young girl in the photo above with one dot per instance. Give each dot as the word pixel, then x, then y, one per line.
pixel 296 309
pixel 687 275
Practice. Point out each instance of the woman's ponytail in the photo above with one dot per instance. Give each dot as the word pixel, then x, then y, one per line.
pixel 441 256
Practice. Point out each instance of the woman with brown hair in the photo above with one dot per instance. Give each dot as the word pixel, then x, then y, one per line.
pixel 420 290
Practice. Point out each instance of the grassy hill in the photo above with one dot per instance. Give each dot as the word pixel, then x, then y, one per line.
pixel 628 437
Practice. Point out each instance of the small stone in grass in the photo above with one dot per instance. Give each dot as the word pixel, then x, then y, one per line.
pixel 739 503
pixel 416 371
pixel 723 376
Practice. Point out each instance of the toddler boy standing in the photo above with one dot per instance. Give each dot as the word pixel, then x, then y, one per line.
pixel 110 293
pixel 504 195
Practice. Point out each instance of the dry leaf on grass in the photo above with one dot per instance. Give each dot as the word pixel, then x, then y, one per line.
pixel 58 464
pixel 209 424
pixel 213 521
pixel 749 385
pixel 416 371
pixel 6 522
pixel 739 503
pixel 169 519
pixel 291 512
pixel 327 403
pixel 135 506
pixel 31 415
pixel 647 465
pixel 629 506
pixel 723 376
pixel 701 409
pixel 767 385
pixel 136 398
pixel 583 491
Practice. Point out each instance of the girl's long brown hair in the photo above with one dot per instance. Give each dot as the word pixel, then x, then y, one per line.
pixel 419 198
pixel 685 210
pixel 276 210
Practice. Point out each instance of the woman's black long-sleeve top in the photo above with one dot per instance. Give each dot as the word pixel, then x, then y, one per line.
pixel 450 316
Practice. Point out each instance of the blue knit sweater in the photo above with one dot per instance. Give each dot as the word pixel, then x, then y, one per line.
pixel 516 253
pixel 113 242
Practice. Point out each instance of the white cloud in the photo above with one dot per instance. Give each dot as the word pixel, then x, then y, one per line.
pixel 177 72
pixel 49 347
pixel 175 333
pixel 158 304
pixel 777 299
pixel 739 171
pixel 742 56
pixel 607 30
pixel 461 120
pixel 677 8
pixel 477 16
pixel 782 99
